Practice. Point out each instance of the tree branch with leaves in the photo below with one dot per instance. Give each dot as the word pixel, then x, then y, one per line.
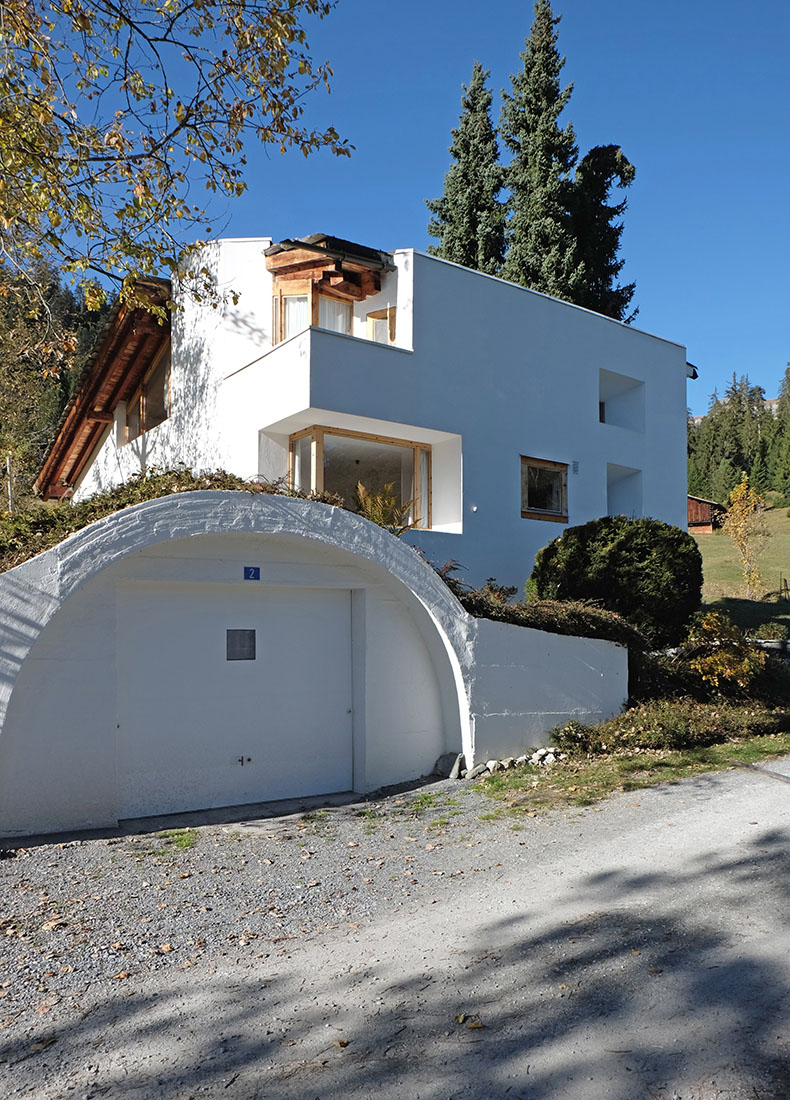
pixel 117 115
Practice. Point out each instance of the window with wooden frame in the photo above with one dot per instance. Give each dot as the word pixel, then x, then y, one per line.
pixel 151 404
pixel 297 305
pixel 381 325
pixel 544 489
pixel 334 461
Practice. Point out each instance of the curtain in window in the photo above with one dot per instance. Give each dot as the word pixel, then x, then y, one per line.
pixel 334 315
pixel 296 319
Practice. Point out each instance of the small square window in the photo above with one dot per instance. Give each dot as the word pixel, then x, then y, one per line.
pixel 544 489
pixel 240 645
pixel 381 325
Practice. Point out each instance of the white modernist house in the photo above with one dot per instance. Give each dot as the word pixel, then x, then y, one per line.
pixel 501 414
pixel 214 649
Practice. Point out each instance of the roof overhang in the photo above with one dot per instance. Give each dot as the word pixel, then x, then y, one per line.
pixel 129 342
pixel 332 265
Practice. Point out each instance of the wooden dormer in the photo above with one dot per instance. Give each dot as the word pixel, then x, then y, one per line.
pixel 309 269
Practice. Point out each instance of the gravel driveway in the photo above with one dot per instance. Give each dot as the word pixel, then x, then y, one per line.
pixel 419 945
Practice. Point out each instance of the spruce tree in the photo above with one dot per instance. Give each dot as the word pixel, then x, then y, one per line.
pixel 737 435
pixel 468 220
pixel 701 457
pixel 723 480
pixel 781 431
pixel 598 232
pixel 758 475
pixel 542 252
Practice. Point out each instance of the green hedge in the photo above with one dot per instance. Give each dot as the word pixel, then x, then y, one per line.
pixel 671 724
pixel 42 525
pixel 555 616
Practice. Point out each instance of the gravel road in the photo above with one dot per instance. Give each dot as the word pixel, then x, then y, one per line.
pixel 417 945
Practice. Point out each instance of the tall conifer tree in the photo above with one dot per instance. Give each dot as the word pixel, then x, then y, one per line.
pixel 468 220
pixel 542 252
pixel 598 231
pixel 781 430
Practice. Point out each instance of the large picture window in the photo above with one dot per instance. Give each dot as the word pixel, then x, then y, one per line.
pixel 151 404
pixel 544 489
pixel 332 461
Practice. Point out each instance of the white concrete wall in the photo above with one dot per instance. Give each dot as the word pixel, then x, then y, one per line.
pixel 521 377
pixel 525 682
pixel 207 344
pixel 426 677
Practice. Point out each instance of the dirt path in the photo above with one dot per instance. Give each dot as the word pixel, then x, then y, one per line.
pixel 640 949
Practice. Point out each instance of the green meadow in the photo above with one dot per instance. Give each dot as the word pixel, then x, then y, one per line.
pixel 723 588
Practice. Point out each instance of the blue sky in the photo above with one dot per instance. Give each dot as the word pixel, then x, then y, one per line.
pixel 697 93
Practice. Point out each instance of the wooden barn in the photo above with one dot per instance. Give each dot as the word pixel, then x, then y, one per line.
pixel 704 516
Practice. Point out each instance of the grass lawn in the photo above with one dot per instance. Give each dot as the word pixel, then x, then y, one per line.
pixel 723 589
pixel 582 782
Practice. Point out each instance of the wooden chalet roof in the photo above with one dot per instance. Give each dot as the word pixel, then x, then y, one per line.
pixel 127 347
pixel 331 264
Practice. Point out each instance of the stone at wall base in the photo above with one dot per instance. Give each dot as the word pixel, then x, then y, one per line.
pixel 449 765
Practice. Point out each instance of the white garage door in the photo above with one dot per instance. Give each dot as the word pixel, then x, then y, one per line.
pixel 231 694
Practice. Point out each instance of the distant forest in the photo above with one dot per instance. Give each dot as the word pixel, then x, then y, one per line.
pixel 46 337
pixel 740 434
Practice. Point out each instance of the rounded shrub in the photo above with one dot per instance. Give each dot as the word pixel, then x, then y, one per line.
pixel 647 571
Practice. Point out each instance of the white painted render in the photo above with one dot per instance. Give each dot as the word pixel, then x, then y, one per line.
pixel 116 698
pixel 484 370
pixel 194 727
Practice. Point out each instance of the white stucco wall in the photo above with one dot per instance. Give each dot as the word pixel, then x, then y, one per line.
pixel 427 678
pixel 206 344
pixel 525 682
pixel 517 373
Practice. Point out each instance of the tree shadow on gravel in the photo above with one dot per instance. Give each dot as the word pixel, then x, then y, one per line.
pixel 663 986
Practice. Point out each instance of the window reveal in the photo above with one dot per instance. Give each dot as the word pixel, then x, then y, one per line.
pixel 544 489
pixel 151 404
pixel 323 460
pixel 381 325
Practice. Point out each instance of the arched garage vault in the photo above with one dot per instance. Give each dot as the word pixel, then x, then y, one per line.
pixel 213 649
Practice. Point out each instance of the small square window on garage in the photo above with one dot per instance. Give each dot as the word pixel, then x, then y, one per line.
pixel 240 645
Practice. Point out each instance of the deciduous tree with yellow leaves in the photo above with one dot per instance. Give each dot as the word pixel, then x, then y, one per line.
pixel 116 116
pixel 746 527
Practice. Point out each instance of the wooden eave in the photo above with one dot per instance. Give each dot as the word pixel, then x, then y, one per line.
pixel 713 503
pixel 132 340
pixel 333 266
